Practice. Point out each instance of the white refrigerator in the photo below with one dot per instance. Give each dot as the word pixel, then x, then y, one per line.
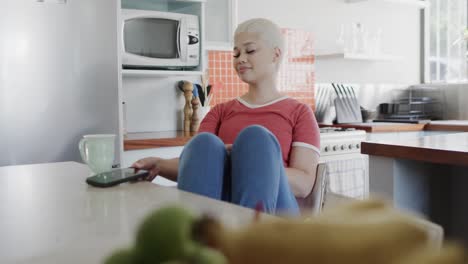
pixel 58 77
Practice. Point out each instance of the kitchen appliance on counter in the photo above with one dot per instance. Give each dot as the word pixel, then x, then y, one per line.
pixel 418 105
pixel 325 112
pixel 337 103
pixel 347 105
pixel 342 162
pixel 143 46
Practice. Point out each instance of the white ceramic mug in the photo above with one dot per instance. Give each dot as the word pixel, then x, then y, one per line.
pixel 98 151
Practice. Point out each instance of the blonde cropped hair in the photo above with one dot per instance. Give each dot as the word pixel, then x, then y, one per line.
pixel 267 30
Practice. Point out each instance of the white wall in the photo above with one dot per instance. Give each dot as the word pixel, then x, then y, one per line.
pixel 400 24
pixel 154 104
pixel 455 101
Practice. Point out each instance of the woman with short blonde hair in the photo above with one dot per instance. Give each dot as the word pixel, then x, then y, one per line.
pixel 259 148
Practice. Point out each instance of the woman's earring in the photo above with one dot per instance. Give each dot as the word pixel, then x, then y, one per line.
pixel 277 54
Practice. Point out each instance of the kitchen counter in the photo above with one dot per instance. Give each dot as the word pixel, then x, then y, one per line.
pixel 437 125
pixel 427 175
pixel 380 127
pixel 134 141
pixel 444 149
pixel 448 125
pixel 50 215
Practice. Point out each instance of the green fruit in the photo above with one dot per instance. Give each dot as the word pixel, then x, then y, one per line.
pixel 208 256
pixel 121 256
pixel 166 235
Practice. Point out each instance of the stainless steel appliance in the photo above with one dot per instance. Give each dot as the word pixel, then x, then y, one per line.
pixel 59 74
pixel 417 105
pixel 153 39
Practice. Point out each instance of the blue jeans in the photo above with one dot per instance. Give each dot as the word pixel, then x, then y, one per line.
pixel 252 173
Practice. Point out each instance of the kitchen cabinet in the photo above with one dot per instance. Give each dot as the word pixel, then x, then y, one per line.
pixel 176 6
pixel 149 98
pixel 404 135
pixel 425 175
pixel 220 23
pixel 219 17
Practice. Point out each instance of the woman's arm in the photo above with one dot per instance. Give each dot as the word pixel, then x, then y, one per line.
pixel 302 169
pixel 167 168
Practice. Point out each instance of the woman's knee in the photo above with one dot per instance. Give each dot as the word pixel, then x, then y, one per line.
pixel 254 131
pixel 205 140
pixel 257 134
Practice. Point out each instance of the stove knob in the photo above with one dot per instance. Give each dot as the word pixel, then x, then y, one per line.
pixel 343 147
pixel 326 149
pixel 351 146
pixel 335 148
pixel 358 146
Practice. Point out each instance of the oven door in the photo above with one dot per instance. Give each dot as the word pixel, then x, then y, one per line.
pixel 347 176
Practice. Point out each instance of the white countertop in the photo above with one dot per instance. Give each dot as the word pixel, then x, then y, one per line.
pixel 50 215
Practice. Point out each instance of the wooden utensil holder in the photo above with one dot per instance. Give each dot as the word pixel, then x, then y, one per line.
pixel 188 88
pixel 195 121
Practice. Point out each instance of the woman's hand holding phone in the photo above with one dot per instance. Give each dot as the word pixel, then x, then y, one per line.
pixel 151 164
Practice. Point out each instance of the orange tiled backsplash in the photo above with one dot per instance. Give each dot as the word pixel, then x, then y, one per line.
pixel 296 77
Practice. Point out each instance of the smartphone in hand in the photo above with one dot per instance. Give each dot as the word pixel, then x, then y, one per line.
pixel 115 177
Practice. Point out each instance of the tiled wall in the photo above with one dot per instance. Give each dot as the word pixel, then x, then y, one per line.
pixel 296 77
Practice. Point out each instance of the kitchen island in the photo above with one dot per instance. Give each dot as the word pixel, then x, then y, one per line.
pixel 50 215
pixel 428 175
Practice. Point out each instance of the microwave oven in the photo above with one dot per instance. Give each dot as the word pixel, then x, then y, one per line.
pixel 159 40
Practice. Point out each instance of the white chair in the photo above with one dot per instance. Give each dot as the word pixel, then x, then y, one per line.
pixel 321 196
pixel 314 202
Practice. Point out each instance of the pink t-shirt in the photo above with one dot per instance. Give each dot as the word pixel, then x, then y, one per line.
pixel 292 122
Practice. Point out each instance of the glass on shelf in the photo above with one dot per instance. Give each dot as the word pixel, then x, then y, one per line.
pixel 375 43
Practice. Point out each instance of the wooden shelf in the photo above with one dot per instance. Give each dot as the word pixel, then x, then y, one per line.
pixel 135 141
pixel 158 73
pixel 418 3
pixel 357 56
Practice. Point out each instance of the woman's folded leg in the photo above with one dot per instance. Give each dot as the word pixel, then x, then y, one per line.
pixel 258 175
pixel 202 166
